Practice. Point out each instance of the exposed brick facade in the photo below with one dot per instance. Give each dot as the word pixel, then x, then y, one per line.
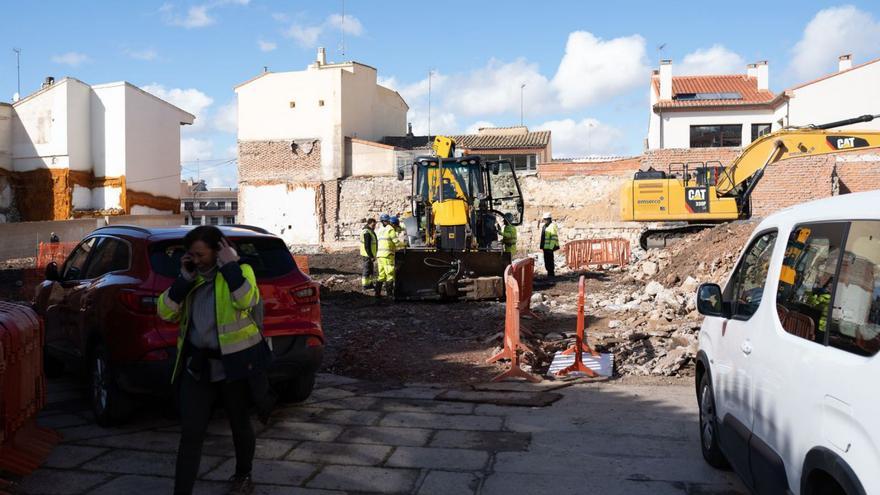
pixel 279 161
pixel 858 172
pixel 660 159
pixel 621 167
pixel 793 181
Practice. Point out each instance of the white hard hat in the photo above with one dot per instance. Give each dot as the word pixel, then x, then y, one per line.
pixel 546 216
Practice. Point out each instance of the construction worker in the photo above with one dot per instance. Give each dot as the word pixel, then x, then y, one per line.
pixel 369 248
pixel 395 224
pixel 549 243
pixel 387 240
pixel 508 235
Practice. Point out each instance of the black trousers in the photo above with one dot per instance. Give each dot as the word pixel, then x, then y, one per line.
pixel 196 405
pixel 549 263
pixel 368 272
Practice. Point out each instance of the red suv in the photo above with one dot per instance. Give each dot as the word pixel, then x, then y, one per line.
pixel 100 313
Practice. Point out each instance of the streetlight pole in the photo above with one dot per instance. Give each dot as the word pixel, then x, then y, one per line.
pixel 430 73
pixel 18 70
pixel 521 89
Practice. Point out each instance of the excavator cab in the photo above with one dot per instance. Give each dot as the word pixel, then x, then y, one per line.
pixel 456 204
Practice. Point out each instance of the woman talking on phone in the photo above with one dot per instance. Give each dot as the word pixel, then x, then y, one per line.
pixel 220 351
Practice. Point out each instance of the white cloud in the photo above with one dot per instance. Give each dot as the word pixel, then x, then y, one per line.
pixel 73 59
pixel 594 69
pixel 281 17
pixel 226 118
pixel 349 24
pixel 267 46
pixel 147 54
pixel 193 149
pixel 833 32
pixel 197 16
pixel 572 139
pixel 190 99
pixel 714 60
pixel 307 35
pixel 495 89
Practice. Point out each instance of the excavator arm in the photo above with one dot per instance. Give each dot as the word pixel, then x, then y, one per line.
pixel 749 166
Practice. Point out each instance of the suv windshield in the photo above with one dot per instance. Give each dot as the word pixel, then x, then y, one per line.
pixel 267 256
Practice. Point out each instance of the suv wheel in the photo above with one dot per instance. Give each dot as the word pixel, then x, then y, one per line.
pixel 709 426
pixel 297 388
pixel 108 402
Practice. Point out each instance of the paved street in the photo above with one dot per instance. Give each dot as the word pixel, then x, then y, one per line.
pixel 356 437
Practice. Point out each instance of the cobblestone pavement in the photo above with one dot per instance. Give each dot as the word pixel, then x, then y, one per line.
pixel 360 437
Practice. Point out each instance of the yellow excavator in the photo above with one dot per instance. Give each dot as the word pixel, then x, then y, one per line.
pixel 453 249
pixel 697 195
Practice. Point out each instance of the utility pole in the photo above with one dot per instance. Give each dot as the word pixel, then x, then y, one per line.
pixel 521 89
pixel 18 69
pixel 430 73
pixel 342 30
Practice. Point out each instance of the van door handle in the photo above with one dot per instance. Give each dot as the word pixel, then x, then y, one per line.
pixel 746 347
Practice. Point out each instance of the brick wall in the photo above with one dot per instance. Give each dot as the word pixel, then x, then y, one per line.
pixel 660 159
pixel 279 161
pixel 365 197
pixel 858 172
pixel 622 167
pixel 793 181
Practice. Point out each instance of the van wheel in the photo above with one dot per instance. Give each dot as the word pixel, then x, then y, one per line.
pixel 297 388
pixel 709 426
pixel 109 403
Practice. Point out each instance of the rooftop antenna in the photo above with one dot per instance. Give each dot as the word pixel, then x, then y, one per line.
pixel 660 48
pixel 18 71
pixel 342 30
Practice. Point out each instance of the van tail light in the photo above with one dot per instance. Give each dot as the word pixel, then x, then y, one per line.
pixel 137 301
pixel 314 342
pixel 305 294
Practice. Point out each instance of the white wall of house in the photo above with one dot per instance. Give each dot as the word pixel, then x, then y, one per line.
pixel 5 136
pixel 108 130
pixel 330 102
pixel 296 222
pixel 677 125
pixel 848 94
pixel 39 129
pixel 374 159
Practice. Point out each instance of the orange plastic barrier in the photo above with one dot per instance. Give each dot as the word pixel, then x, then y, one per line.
pixel 524 272
pixel 302 261
pixel 592 252
pixel 53 251
pixel 512 344
pixel 23 445
pixel 580 343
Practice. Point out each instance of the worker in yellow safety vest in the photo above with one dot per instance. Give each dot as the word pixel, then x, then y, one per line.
pixel 508 235
pixel 549 243
pixel 369 248
pixel 388 244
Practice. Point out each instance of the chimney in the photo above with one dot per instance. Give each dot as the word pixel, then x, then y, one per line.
pixel 47 82
pixel 762 71
pixel 322 57
pixel 844 62
pixel 666 79
pixel 752 70
pixel 409 132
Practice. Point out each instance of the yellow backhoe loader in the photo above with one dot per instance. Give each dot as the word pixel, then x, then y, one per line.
pixel 698 195
pixel 453 249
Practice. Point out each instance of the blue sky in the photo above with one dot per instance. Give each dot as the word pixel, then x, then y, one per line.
pixel 585 64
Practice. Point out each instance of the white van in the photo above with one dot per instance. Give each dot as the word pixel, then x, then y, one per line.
pixel 788 377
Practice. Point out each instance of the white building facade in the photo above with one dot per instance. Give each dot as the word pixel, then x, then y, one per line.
pixel 105 149
pixel 296 134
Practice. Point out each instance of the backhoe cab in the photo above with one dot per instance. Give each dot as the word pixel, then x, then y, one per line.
pixel 453 241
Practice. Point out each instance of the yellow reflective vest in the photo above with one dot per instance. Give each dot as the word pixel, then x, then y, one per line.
pixel 368 238
pixel 389 243
pixel 236 329
pixel 508 238
pixel 550 237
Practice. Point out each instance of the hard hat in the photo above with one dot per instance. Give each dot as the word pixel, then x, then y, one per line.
pixel 546 216
pixel 384 217
pixel 394 220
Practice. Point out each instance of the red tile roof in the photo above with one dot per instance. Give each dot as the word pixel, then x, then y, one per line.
pixel 735 83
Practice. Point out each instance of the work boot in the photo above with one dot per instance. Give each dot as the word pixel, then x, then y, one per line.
pixel 241 484
pixel 389 288
pixel 377 287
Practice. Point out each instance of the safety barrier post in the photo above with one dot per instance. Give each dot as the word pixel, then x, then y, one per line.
pixel 512 344
pixel 580 342
pixel 23 445
pixel 591 252
pixel 524 273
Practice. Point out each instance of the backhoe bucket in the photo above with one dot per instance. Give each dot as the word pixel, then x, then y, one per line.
pixel 424 275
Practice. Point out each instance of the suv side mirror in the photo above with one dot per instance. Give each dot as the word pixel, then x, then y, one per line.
pixel 400 174
pixel 710 301
pixel 52 272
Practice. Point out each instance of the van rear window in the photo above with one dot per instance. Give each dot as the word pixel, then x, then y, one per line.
pixel 267 256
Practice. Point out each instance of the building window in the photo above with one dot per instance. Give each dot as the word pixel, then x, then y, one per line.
pixel 188 205
pixel 715 136
pixel 214 220
pixel 759 130
pixel 292 104
pixel 747 283
pixel 320 103
pixel 228 220
pixel 221 205
pixel 203 205
pixel 234 205
pixel 520 162
pixel 807 277
pixel 186 220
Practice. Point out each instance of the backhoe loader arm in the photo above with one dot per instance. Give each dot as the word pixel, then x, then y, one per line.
pixel 790 143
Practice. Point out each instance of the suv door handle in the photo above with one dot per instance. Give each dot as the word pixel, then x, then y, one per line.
pixel 746 347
